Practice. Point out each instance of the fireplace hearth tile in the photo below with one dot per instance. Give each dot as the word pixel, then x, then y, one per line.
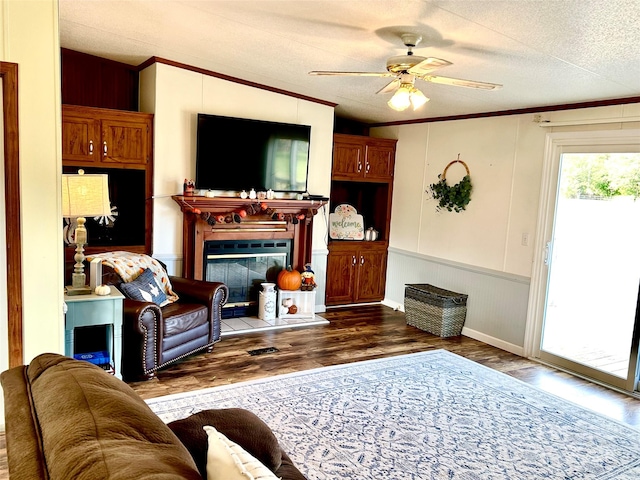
pixel 235 326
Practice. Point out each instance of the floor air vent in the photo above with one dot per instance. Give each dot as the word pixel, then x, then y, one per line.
pixel 262 351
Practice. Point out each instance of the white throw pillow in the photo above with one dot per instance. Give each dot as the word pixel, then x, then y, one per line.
pixel 227 460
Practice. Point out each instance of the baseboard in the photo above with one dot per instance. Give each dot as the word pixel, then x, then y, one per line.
pixel 391 304
pixel 494 342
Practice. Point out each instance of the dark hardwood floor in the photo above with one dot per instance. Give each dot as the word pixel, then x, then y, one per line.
pixel 356 334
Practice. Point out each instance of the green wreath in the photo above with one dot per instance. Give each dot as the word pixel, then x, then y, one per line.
pixel 453 198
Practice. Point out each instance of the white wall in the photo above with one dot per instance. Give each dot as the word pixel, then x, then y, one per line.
pixel 30 39
pixel 488 233
pixel 505 158
pixel 176 96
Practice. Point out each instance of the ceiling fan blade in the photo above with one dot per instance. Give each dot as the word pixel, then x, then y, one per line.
pixel 356 74
pixel 428 65
pixel 458 82
pixel 390 87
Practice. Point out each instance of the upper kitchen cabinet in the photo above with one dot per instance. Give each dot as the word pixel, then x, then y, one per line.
pixel 359 158
pixel 99 136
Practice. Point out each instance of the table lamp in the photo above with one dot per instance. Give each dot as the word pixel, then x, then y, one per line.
pixel 83 196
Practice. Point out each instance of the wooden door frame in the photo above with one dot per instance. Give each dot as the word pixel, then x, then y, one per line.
pixel 9 77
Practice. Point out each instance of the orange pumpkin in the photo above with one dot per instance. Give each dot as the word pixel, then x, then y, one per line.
pixel 289 279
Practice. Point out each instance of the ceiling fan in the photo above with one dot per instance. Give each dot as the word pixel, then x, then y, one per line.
pixel 405 69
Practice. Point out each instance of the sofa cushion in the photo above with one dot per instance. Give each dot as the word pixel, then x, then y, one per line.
pixel 226 460
pixel 238 425
pixel 145 289
pixel 94 426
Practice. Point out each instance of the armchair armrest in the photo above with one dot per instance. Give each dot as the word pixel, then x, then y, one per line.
pixel 199 291
pixel 212 294
pixel 143 330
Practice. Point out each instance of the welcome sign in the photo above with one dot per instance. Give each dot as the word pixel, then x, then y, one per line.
pixel 346 224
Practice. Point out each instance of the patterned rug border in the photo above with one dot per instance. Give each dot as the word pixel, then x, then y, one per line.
pixel 426 415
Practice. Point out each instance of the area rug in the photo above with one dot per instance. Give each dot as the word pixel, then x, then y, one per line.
pixel 429 415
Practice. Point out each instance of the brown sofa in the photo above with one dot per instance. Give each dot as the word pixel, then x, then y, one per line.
pixel 67 419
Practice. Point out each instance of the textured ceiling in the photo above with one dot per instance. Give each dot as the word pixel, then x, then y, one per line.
pixel 543 52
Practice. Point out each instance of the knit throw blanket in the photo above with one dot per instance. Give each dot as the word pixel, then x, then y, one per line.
pixel 129 265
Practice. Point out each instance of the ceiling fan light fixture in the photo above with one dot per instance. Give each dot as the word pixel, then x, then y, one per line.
pixel 401 100
pixel 407 96
pixel 417 98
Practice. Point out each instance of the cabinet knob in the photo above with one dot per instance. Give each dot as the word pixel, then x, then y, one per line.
pixel 90 147
pixel 361 260
pixel 104 148
pixel 353 260
pixel 359 166
pixel 368 166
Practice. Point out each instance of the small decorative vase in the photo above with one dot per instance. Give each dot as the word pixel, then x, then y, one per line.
pixel 267 302
pixel 371 234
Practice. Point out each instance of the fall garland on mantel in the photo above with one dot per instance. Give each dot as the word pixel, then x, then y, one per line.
pixel 248 209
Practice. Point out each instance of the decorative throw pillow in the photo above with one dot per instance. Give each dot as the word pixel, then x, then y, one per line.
pixel 129 265
pixel 227 460
pixel 144 288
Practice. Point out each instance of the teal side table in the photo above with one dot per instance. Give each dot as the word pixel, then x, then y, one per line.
pixel 91 310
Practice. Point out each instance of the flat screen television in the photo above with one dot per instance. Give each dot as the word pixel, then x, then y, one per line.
pixel 235 154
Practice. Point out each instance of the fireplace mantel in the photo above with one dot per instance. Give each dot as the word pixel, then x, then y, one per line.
pixel 233 218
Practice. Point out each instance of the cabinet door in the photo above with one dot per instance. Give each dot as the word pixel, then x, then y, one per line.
pixel 379 162
pixel 341 267
pixel 371 268
pixel 126 141
pixel 348 160
pixel 80 138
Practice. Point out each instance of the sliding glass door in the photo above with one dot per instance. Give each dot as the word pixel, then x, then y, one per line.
pixel 591 259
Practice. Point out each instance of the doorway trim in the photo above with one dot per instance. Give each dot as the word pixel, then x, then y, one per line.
pixel 9 77
pixel 555 144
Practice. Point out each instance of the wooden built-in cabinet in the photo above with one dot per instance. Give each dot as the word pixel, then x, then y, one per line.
pixel 362 158
pixel 111 137
pixel 356 272
pixel 362 176
pixel 120 144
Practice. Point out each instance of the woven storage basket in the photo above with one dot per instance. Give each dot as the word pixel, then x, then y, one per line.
pixel 434 309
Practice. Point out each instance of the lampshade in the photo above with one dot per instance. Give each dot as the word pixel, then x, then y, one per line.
pixel 85 195
pixel 407 95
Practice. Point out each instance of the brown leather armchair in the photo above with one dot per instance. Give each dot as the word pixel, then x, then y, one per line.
pixel 153 336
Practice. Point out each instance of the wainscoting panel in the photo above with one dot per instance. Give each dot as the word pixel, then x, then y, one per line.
pixel 173 263
pixel 497 303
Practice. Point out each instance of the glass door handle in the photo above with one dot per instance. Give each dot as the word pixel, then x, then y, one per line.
pixel 547 254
